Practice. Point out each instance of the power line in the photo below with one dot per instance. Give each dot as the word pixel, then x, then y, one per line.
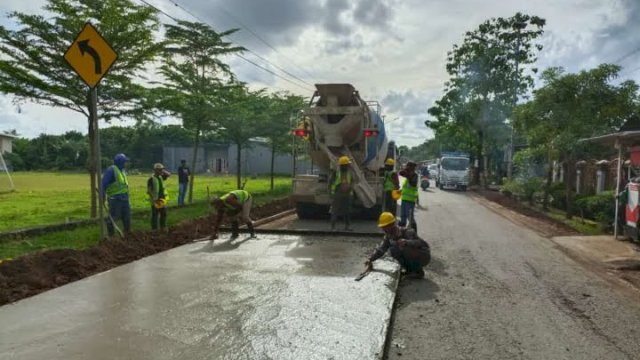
pixel 624 57
pixel 235 18
pixel 271 72
pixel 236 54
pixel 248 50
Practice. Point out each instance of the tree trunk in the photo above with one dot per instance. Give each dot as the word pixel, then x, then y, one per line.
pixel 273 161
pixel 238 165
pixel 547 186
pixel 570 181
pixel 480 157
pixel 92 165
pixel 194 158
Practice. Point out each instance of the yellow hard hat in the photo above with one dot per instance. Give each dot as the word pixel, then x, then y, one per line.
pixel 158 166
pixel 386 219
pixel 344 160
pixel 389 162
pixel 395 194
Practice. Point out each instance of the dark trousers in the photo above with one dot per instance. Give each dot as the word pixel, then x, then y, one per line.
pixel 154 217
pixel 407 209
pixel 182 190
pixel 389 205
pixel 119 209
pixel 413 260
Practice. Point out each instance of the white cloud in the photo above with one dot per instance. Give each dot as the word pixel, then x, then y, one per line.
pixel 390 50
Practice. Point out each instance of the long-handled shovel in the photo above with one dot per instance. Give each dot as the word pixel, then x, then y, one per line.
pixel 113 222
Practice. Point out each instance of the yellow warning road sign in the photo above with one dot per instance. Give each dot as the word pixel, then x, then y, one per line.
pixel 90 55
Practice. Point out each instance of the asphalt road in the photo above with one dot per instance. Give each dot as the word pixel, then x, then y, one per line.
pixel 496 290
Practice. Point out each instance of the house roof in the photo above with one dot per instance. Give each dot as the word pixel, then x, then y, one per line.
pixel 8 136
pixel 625 137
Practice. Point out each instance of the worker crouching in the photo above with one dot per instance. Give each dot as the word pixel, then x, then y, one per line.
pixel 404 245
pixel 237 206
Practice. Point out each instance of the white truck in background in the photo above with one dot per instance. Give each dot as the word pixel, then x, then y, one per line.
pixel 453 171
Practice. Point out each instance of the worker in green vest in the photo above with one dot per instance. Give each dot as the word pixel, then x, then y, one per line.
pixel 409 195
pixel 158 197
pixel 237 206
pixel 341 188
pixel 115 190
pixel 390 184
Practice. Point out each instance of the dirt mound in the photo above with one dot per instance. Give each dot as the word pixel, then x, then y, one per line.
pixel 34 273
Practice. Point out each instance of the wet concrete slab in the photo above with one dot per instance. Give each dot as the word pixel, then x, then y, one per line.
pixel 293 223
pixel 277 297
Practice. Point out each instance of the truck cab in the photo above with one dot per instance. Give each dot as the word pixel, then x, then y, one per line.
pixel 453 172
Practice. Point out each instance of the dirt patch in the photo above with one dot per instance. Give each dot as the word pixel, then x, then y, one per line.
pixel 34 273
pixel 520 213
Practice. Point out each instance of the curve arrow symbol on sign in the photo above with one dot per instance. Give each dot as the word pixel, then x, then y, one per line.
pixel 86 48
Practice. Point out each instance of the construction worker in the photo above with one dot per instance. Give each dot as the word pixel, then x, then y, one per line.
pixel 237 205
pixel 409 195
pixel 341 187
pixel 183 181
pixel 390 184
pixel 115 189
pixel 404 245
pixel 157 196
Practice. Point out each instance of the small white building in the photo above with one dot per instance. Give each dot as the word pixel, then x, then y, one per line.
pixel 6 143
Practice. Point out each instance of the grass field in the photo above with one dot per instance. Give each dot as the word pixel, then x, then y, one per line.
pixel 51 198
pixel 46 198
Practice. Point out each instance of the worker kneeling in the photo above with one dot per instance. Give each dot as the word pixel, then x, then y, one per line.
pixel 412 252
pixel 237 206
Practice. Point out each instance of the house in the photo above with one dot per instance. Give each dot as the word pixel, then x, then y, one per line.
pixel 6 143
pixel 220 159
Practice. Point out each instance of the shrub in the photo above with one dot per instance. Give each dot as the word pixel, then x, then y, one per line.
pixel 527 188
pixel 600 207
pixel 558 196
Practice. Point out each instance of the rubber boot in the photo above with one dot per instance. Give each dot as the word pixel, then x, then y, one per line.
pixel 251 230
pixel 235 230
pixel 347 222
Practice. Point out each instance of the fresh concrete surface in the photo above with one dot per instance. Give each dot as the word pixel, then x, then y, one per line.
pixel 277 297
pixel 497 290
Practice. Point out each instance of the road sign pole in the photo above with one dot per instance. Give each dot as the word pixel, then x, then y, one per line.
pixel 93 103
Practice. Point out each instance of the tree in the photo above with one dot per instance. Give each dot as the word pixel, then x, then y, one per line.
pixel 33 69
pixel 277 125
pixel 569 107
pixel 242 117
pixel 486 77
pixel 194 74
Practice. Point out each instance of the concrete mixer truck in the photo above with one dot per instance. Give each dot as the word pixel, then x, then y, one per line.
pixel 339 122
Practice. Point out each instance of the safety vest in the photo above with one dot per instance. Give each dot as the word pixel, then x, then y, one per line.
pixel 120 185
pixel 338 180
pixel 388 183
pixel 241 195
pixel 409 193
pixel 157 184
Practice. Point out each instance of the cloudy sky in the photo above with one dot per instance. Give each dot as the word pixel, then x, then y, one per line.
pixel 392 51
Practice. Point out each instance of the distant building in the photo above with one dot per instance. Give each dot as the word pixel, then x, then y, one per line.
pixel 6 143
pixel 221 159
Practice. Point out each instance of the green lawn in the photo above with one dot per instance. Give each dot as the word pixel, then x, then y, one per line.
pixel 51 198
pixel 69 193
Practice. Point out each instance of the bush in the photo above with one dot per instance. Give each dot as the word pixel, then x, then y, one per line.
pixel 600 207
pixel 527 188
pixel 558 197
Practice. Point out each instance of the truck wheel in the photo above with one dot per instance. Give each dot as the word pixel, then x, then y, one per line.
pixel 311 211
pixel 463 187
pixel 441 186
